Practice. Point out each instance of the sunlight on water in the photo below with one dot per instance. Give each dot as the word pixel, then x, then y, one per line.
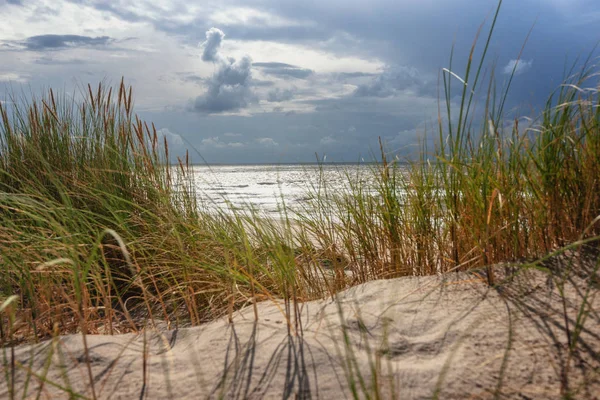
pixel 264 186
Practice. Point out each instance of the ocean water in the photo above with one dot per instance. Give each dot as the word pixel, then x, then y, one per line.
pixel 266 187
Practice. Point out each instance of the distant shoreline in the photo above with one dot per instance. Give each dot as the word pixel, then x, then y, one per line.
pixel 288 163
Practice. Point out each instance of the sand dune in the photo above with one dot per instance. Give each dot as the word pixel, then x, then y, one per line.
pixel 450 336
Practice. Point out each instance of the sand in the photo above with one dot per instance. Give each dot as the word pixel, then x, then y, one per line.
pixel 449 336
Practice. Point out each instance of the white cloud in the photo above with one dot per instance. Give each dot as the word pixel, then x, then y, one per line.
pixel 12 77
pixel 216 142
pixel 172 138
pixel 212 141
pixel 267 141
pixel 327 140
pixel 212 44
pixel 521 66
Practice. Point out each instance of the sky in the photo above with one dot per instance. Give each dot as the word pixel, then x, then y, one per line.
pixel 269 81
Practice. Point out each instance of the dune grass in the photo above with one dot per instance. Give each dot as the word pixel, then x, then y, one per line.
pixel 98 234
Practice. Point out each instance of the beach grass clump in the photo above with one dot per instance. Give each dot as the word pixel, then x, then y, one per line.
pixel 71 176
pixel 485 188
pixel 98 233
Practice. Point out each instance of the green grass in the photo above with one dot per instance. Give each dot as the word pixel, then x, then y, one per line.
pixel 95 239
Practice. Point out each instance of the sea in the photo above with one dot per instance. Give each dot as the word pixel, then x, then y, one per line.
pixel 266 188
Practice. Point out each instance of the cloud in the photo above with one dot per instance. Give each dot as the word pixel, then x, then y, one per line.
pixel 216 142
pixel 177 145
pixel 172 138
pixel 279 95
pixel 12 77
pixel 357 74
pixel 48 60
pixel 284 70
pixel 56 42
pixel 212 45
pixel 327 140
pixel 229 87
pixel 262 83
pixel 390 82
pixel 191 78
pixel 267 141
pixel 231 134
pixel 212 141
pixel 246 16
pixel 519 66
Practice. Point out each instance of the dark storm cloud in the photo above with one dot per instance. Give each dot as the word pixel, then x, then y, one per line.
pixel 284 70
pixel 421 34
pixel 55 42
pixel 229 87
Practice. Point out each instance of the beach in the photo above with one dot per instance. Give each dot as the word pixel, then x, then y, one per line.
pixel 448 337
